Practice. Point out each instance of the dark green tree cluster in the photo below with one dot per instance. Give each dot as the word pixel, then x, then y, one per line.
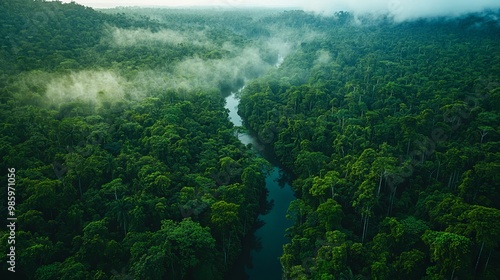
pixel 142 188
pixel 391 132
pixel 53 36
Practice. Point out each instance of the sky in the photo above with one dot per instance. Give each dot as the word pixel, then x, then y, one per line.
pixel 400 9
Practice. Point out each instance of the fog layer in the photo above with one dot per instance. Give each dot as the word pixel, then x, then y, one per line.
pixel 401 10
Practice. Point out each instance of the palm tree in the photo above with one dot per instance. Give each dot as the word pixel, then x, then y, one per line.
pixel 121 208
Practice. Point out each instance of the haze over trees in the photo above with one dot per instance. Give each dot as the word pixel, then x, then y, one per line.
pixel 128 167
pixel 382 126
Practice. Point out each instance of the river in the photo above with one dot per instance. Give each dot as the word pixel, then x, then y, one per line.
pixel 261 252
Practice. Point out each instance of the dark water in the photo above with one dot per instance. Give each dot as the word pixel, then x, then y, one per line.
pixel 265 261
pixel 261 252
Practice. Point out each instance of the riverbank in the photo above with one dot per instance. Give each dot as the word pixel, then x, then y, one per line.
pixel 264 245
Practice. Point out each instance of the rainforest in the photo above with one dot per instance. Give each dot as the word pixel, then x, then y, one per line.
pixel 248 143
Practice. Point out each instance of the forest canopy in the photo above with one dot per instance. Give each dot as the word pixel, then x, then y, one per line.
pixel 127 167
pixel 391 133
pixel 126 163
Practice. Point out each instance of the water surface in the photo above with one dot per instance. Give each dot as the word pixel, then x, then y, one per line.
pixel 260 256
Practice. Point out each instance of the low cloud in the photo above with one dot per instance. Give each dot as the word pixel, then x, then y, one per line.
pixel 93 87
pixel 194 73
pixel 127 37
pixel 324 58
pixel 121 37
pixel 401 10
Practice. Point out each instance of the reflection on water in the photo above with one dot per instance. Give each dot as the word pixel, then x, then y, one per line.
pixel 271 235
pixel 262 249
pixel 232 105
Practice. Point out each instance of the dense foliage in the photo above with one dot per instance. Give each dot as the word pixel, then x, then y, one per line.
pixel 116 180
pixel 392 133
pixel 127 166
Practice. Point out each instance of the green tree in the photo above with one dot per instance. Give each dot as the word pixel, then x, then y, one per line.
pixel 226 222
pixel 448 250
pixel 480 223
pixel 329 214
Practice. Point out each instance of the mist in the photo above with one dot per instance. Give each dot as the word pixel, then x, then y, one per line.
pixel 94 87
pixel 120 37
pixel 196 74
pixel 125 37
pixel 401 10
pixel 189 75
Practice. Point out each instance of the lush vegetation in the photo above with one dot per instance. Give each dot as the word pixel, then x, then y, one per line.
pixel 116 180
pixel 392 134
pixel 127 166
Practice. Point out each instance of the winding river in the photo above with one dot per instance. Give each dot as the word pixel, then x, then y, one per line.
pixel 260 256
